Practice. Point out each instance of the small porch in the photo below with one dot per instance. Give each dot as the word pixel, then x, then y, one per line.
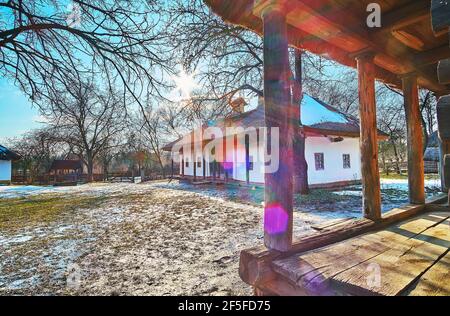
pixel 403 252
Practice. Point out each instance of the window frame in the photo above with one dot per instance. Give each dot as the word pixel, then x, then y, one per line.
pixel 319 161
pixel 347 164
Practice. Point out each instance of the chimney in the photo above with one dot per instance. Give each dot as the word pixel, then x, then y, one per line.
pixel 261 101
pixel 238 105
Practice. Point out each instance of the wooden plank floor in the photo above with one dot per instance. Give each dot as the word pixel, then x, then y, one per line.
pixel 410 258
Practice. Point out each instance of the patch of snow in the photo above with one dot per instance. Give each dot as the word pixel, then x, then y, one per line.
pixel 314 113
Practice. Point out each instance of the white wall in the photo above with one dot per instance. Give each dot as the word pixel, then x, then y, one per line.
pixel 333 157
pixel 5 170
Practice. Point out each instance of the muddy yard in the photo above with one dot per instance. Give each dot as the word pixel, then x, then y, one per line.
pixel 142 239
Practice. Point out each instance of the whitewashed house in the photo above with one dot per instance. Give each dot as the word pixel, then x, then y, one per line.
pixel 332 148
pixel 6 158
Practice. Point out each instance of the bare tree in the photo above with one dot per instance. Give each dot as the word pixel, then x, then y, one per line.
pixel 391 120
pixel 37 150
pixel 152 127
pixel 44 39
pixel 427 108
pixel 86 120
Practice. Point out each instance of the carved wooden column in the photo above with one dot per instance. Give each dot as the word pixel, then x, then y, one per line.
pixel 416 172
pixel 443 116
pixel 369 137
pixel 278 215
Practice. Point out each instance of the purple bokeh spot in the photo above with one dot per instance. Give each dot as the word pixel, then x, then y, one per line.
pixel 228 166
pixel 276 219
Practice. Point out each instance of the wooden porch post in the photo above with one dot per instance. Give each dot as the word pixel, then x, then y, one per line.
pixel 416 172
pixel 194 160
pixel 443 116
pixel 278 215
pixel 369 137
pixel 204 168
pixel 247 159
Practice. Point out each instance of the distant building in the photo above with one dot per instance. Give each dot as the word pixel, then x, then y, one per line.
pixel 332 148
pixel 66 171
pixel 6 158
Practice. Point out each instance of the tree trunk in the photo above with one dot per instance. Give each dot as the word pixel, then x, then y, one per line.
pixel 301 184
pixel 398 170
pixel 90 167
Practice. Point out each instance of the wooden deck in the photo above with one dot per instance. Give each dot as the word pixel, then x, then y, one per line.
pixel 408 258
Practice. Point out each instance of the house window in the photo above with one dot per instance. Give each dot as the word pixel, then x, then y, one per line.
pixel 199 164
pixel 187 164
pixel 320 162
pixel 347 163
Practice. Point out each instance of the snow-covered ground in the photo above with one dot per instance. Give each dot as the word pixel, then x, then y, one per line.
pixel 154 239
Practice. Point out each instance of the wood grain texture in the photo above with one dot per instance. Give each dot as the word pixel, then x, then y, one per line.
pixel 447 171
pixel 314 270
pixel 440 15
pixel 443 117
pixel 338 28
pixel 278 218
pixel 444 71
pixel 436 281
pixel 416 170
pixel 255 263
pixel 399 267
pixel 368 139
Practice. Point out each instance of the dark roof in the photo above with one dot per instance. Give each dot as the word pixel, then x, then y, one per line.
pixel 433 141
pixel 6 154
pixel 432 154
pixel 66 165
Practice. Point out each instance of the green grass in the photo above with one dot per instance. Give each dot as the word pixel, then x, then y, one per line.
pixel 23 212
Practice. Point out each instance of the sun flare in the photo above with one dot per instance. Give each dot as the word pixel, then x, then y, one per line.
pixel 185 84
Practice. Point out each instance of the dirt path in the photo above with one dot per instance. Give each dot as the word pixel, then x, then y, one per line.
pixel 135 240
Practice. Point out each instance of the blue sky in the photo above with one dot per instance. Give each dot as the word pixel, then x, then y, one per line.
pixel 17 115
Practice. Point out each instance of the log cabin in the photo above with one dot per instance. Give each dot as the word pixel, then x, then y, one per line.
pixel 332 148
pixel 403 252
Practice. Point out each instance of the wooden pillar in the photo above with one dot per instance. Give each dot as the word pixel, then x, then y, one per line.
pixel 416 172
pixel 247 159
pixel 194 159
pixel 172 169
pixel 369 138
pixel 182 167
pixel 443 117
pixel 278 214
pixel 204 169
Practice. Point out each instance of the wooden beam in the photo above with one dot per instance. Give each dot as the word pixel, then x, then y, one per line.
pixel 443 117
pixel 444 71
pixel 411 13
pixel 278 214
pixel 416 171
pixel 432 56
pixel 341 24
pixel 440 15
pixel 368 139
pixel 247 14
